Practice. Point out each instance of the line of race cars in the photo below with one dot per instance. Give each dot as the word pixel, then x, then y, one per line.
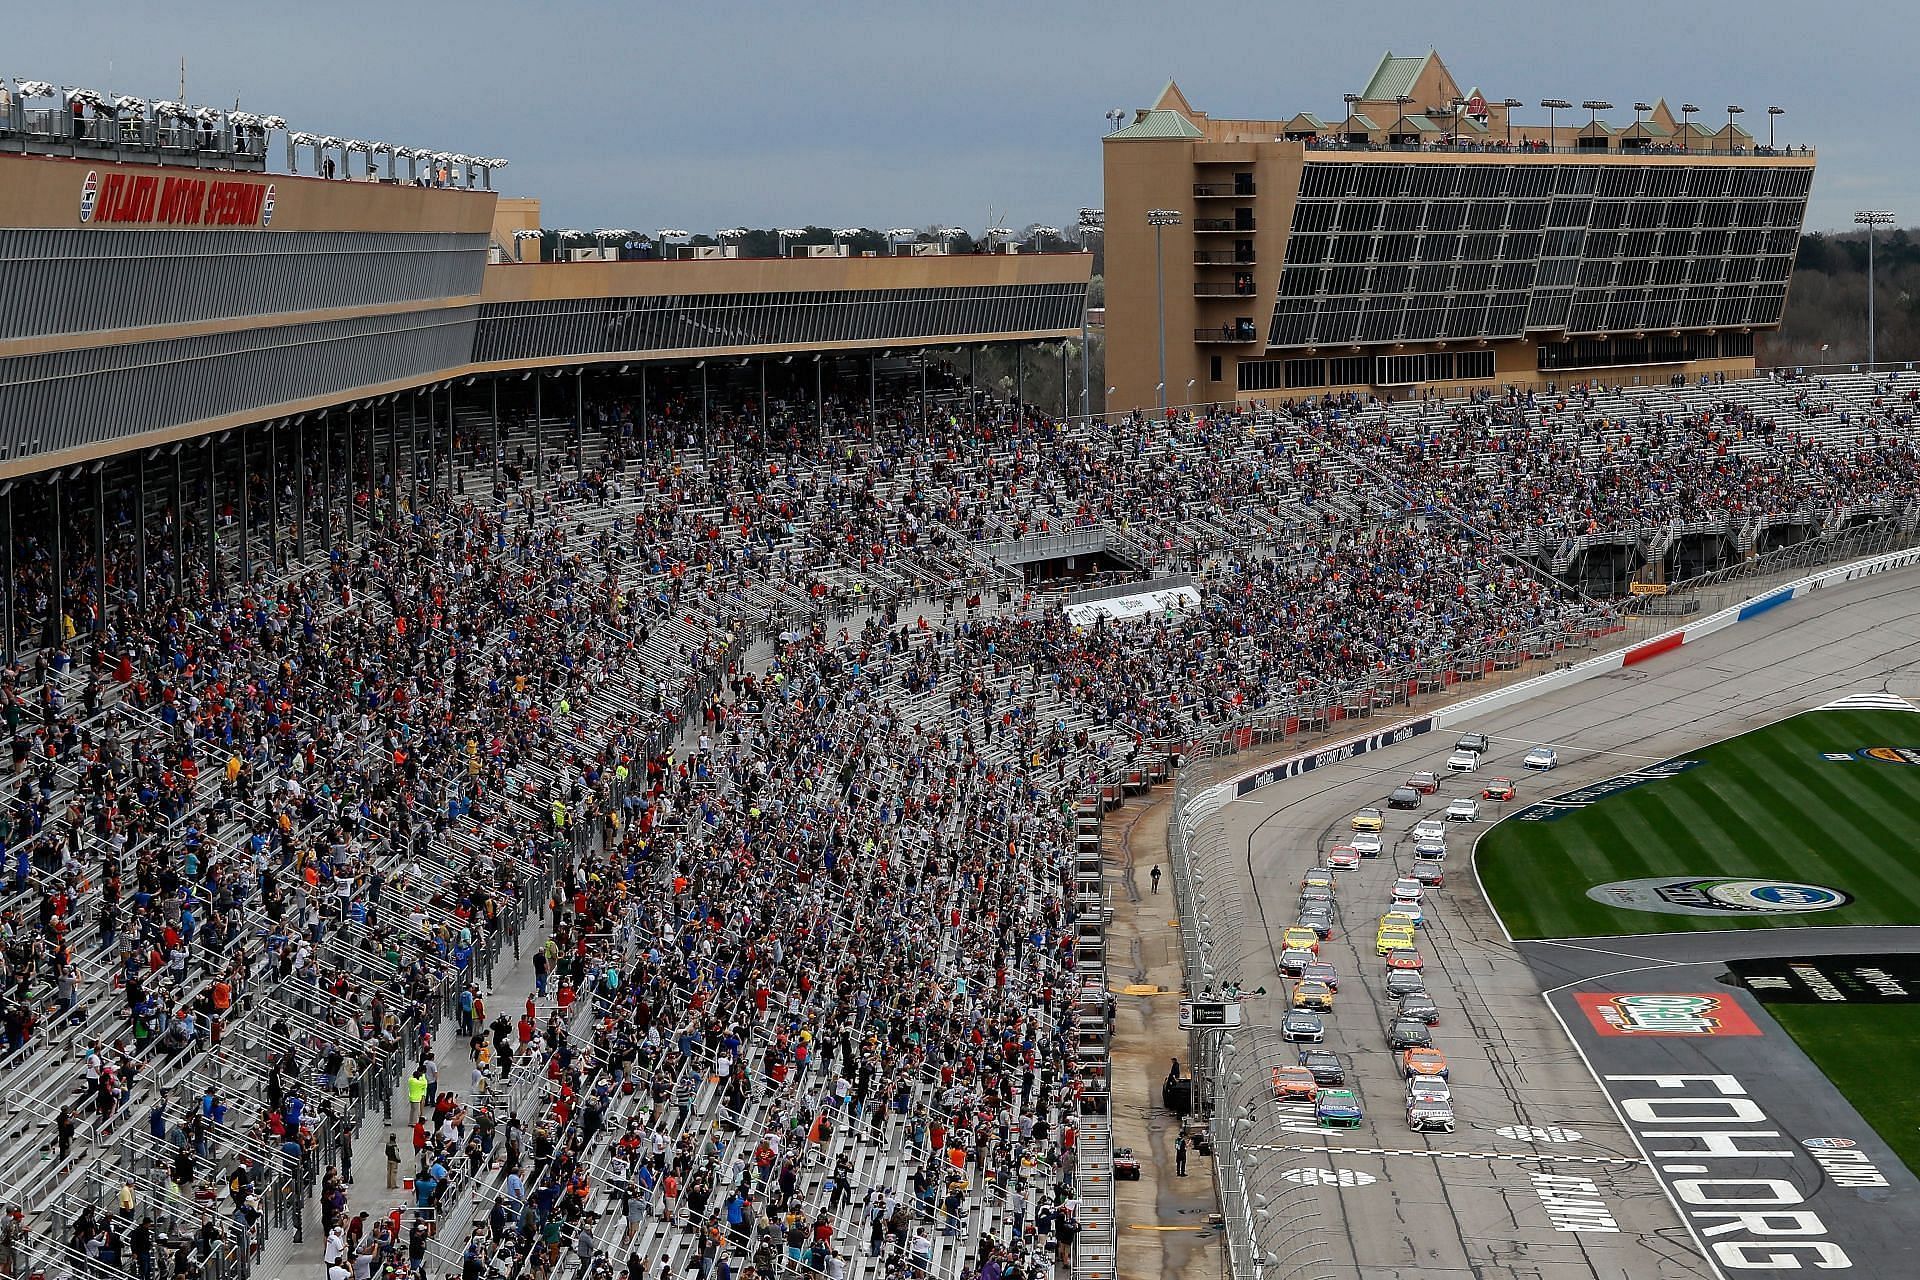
pixel 1319 1077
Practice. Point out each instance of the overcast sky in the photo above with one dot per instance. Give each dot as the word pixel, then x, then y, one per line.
pixel 704 115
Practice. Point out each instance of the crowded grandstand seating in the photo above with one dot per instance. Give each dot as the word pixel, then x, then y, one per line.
pixel 761 758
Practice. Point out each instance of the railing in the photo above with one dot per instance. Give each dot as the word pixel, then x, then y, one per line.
pixel 53 128
pixel 1523 147
pixel 1222 224
pixel 1223 190
pixel 1114 590
pixel 1221 258
pixel 1212 289
pixel 1226 333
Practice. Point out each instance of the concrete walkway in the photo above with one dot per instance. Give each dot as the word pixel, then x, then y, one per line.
pixel 1165 1223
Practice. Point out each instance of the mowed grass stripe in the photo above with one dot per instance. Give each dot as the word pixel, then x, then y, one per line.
pixel 1764 805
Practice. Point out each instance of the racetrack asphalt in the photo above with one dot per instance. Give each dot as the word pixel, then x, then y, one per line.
pixel 1512 1192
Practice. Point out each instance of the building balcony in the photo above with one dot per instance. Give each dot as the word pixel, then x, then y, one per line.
pixel 1222 289
pixel 1239 331
pixel 1221 258
pixel 1223 190
pixel 1222 225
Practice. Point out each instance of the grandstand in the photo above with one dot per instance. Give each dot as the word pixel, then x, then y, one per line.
pixel 1427 240
pixel 642 692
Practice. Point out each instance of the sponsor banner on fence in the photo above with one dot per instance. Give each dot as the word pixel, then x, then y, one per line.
pixel 1717 896
pixel 1665 1013
pixel 1568 801
pixel 1298 765
pixel 1868 979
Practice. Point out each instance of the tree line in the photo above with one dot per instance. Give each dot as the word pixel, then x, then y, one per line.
pixel 1826 317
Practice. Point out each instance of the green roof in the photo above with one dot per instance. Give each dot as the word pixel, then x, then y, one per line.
pixel 1419 124
pixel 1393 77
pixel 1365 123
pixel 1157 124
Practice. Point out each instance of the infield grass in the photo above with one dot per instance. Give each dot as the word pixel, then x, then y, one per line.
pixel 1853 1044
pixel 1763 805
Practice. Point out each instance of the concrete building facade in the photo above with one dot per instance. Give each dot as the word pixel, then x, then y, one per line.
pixel 1425 238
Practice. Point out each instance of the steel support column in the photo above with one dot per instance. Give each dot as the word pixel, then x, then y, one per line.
pixel 493 461
pixel 353 488
pixel 140 532
pixel 100 547
pixel 246 517
pixel 300 487
pixel 213 517
pixel 179 524
pixel 273 497
pixel 57 606
pixel 580 423
pixel 6 642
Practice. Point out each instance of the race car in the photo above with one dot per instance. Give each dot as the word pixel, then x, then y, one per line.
pixel 1397 936
pixel 1314 996
pixel 1498 789
pixel 1424 782
pixel 1405 958
pixel 1542 758
pixel 1368 843
pixel 1369 819
pixel 1343 857
pixel 1299 938
pixel 1463 809
pixel 1338 1109
pixel 1423 1062
pixel 1294 1084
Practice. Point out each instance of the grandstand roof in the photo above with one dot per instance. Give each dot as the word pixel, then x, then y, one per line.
pixel 1157 123
pixel 1395 76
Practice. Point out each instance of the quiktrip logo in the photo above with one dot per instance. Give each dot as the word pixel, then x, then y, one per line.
pixel 89 195
pixel 266 206
pixel 1890 755
pixel 1665 1013
pixel 1717 896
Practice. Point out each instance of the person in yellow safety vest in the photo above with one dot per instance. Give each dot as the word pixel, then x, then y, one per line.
pixel 416 1094
pixel 560 814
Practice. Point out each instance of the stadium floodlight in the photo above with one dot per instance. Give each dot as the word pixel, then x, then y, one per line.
pixel 1594 107
pixel 1554 106
pixel 1510 104
pixel 1732 111
pixel 1040 235
pixel 1773 114
pixel 896 234
pixel 1399 125
pixel 1871 218
pixel 1114 118
pixel 35 89
pixel 1093 219
pixel 1346 130
pixel 848 233
pixel 949 233
pixel 1687 110
pixel 1159 219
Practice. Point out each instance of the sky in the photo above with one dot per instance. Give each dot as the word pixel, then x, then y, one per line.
pixel 701 116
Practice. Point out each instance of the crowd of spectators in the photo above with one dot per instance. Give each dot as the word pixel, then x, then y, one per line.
pixel 779 766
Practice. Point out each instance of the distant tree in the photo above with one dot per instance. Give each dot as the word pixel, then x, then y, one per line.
pixel 1826 316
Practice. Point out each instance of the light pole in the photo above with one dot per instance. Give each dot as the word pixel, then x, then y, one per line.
pixel 1773 114
pixel 1640 109
pixel 1040 235
pixel 1686 129
pixel 1158 218
pixel 1871 218
pixel 1510 104
pixel 1553 106
pixel 895 236
pixel 1399 125
pixel 1346 132
pixel 785 234
pixel 1092 222
pixel 1732 111
pixel 1114 118
pixel 1594 107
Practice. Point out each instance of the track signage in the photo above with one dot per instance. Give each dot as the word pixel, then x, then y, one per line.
pixel 1665 1013
pixel 1730 1171
pixel 1717 896
pixel 1864 979
pixel 172 200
